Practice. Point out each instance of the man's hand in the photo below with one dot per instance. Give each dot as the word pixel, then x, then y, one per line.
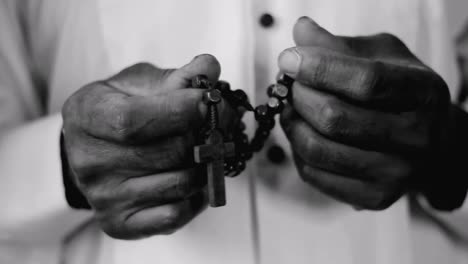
pixel 367 115
pixel 129 142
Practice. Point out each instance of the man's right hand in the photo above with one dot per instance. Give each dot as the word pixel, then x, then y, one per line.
pixel 129 143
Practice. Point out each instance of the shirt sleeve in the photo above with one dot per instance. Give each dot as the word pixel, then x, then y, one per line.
pixel 32 200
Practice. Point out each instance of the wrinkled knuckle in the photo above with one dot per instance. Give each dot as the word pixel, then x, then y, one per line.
pixel 80 163
pixel 185 184
pixel 332 119
pixel 176 114
pixel 172 219
pixel 179 116
pixel 99 198
pixel 112 223
pixel 112 227
pixel 143 67
pixel 178 152
pixel 370 79
pixel 308 174
pixel 124 125
pixel 315 152
pixel 73 106
pixel 402 173
pixel 304 176
pixel 419 128
pixel 77 160
pixel 181 149
pixel 390 39
pixel 361 166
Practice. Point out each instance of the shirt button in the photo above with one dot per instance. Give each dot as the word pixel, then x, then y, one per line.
pixel 276 154
pixel 267 20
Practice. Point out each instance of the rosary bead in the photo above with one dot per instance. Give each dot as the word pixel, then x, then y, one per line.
pixel 242 146
pixel 223 86
pixel 286 80
pixel 278 90
pixel 237 98
pixel 248 155
pixel 241 99
pixel 240 110
pixel 242 155
pixel 201 81
pixel 267 124
pixel 243 139
pixel 275 104
pixel 240 95
pixel 229 169
pixel 259 139
pixel 262 133
pixel 257 144
pixel 262 112
pixel 240 167
pixel 212 96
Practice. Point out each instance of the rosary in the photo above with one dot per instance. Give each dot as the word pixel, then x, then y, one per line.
pixel 229 158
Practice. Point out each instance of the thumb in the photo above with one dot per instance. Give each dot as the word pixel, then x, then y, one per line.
pixel 307 32
pixel 147 79
pixel 204 64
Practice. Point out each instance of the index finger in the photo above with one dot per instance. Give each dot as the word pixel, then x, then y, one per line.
pixel 108 114
pixel 145 78
pixel 383 85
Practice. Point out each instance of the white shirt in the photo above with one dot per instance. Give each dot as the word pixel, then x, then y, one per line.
pixel 49 49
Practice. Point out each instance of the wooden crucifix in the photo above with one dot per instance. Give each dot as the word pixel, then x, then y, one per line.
pixel 213 153
pixel 215 150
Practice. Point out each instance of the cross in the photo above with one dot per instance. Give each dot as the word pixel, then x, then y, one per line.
pixel 213 153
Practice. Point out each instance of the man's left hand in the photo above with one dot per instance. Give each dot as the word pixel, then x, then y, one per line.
pixel 366 114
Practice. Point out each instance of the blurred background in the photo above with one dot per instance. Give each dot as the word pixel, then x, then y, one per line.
pixel 458 10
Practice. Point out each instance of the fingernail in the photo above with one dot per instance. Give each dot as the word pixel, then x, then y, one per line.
pixel 289 61
pixel 199 56
pixel 308 20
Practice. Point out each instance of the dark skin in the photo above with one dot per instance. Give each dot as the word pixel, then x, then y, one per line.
pixel 366 114
pixel 129 141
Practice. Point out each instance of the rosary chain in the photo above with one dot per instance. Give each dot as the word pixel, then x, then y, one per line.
pixel 264 115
